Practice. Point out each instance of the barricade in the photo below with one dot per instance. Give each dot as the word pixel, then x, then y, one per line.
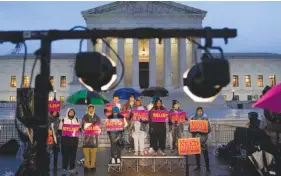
pixel 148 163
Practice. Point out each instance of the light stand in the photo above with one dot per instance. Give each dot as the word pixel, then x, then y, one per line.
pixel 47 37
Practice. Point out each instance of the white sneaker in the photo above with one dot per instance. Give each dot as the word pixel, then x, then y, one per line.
pixel 118 161
pixel 150 150
pixel 112 160
pixel 64 172
pixel 136 154
pixel 161 153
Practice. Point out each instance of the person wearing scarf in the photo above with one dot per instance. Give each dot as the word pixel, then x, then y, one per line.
pixel 115 136
pixel 175 129
pixel 200 115
pixel 90 143
pixel 53 140
pixel 129 105
pixel 69 144
pixel 139 130
pixel 158 131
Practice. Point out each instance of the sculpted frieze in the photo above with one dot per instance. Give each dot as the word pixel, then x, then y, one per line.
pixel 143 7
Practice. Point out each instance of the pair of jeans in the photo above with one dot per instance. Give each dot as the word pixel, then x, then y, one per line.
pixel 206 158
pixel 158 139
pixel 115 146
pixel 69 147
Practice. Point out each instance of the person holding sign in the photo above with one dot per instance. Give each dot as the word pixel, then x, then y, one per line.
pixel 176 124
pixel 129 105
pixel 149 107
pixel 138 127
pixel 115 102
pixel 53 140
pixel 158 127
pixel 91 129
pixel 115 136
pixel 203 135
pixel 70 128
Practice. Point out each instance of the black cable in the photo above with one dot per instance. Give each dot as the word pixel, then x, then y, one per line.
pixel 32 70
pixel 108 45
pixel 24 63
pixel 201 47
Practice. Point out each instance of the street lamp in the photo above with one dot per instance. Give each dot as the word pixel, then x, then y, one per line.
pixel 233 94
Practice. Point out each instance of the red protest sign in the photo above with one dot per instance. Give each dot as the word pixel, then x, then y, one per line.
pixel 178 117
pixel 54 106
pixel 114 124
pixel 198 126
pixel 140 115
pixel 108 108
pixel 159 115
pixel 189 146
pixel 126 114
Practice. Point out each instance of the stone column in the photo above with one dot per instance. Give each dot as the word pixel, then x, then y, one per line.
pixel 191 54
pixel 104 47
pixel 182 58
pixel 152 63
pixel 90 46
pixel 167 63
pixel 135 64
pixel 120 51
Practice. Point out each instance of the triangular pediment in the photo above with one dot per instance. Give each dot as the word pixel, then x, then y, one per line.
pixel 143 7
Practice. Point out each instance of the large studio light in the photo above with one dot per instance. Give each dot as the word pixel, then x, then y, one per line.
pixel 204 81
pixel 96 71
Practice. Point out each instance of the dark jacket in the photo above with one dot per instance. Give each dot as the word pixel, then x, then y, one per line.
pixel 127 106
pixel 56 132
pixel 156 125
pixel 90 141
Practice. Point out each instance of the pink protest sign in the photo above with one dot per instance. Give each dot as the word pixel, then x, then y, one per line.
pixel 140 114
pixel 54 106
pixel 71 130
pixel 126 114
pixel 114 124
pixel 159 115
pixel 92 129
pixel 108 108
pixel 178 117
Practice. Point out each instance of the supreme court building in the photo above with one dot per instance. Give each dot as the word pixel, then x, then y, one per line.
pixel 150 62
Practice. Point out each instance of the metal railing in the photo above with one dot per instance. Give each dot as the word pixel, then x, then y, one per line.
pixel 220 134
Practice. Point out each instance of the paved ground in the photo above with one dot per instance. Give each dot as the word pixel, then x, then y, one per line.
pixel 103 155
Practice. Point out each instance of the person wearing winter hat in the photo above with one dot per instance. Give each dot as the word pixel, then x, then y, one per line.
pixel 200 115
pixel 115 136
pixel 157 131
pixel 139 130
pixel 129 105
pixel 69 144
pixel 175 129
pixel 90 142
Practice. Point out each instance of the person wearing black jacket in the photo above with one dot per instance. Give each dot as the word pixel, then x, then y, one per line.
pixel 115 137
pixel 158 130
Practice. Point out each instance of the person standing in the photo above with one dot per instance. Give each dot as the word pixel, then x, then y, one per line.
pixel 129 105
pixel 200 115
pixel 54 138
pixel 139 130
pixel 175 128
pixel 90 142
pixel 115 137
pixel 69 144
pixel 149 107
pixel 158 131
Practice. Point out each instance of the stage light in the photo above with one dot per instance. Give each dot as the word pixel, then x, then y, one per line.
pixel 204 81
pixel 96 71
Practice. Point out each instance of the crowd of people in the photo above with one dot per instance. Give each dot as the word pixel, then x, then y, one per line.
pixel 137 133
